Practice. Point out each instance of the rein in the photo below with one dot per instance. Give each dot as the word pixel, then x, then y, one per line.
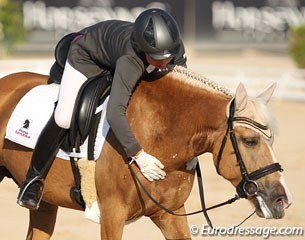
pixel 201 193
pixel 245 189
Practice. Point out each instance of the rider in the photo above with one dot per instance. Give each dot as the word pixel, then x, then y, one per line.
pixel 131 50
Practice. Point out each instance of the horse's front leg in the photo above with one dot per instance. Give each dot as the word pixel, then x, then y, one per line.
pixel 42 222
pixel 172 227
pixel 112 221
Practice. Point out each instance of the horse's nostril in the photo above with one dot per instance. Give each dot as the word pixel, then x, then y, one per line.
pixel 280 201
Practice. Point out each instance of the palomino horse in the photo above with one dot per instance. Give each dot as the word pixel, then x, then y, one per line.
pixel 175 118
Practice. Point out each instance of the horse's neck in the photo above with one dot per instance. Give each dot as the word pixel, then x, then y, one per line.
pixel 208 122
pixel 176 121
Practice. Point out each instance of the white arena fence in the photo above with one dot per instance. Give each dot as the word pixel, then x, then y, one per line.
pixel 290 82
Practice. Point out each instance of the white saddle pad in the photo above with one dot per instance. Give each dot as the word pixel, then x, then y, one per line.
pixel 34 110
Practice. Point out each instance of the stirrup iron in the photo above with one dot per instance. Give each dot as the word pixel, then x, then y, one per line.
pixel 21 194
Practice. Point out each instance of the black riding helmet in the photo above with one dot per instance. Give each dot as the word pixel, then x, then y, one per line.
pixel 156 33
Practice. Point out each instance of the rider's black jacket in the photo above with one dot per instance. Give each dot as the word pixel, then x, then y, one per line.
pixel 108 44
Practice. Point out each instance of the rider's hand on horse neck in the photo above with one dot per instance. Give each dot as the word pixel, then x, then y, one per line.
pixel 150 166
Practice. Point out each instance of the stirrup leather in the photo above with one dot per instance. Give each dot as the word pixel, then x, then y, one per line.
pixel 21 194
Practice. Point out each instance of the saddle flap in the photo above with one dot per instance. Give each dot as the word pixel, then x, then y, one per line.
pixel 93 93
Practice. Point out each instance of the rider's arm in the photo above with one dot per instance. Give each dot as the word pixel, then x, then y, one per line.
pixel 127 73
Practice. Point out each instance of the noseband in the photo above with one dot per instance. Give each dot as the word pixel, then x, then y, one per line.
pixel 247 187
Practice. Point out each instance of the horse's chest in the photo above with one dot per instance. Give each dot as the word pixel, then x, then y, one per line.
pixel 177 187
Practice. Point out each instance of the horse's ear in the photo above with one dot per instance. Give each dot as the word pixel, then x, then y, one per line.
pixel 241 98
pixel 266 95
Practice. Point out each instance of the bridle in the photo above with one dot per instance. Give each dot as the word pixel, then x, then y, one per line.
pixel 247 188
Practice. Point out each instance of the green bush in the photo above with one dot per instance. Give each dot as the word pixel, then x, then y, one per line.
pixel 11 23
pixel 297 45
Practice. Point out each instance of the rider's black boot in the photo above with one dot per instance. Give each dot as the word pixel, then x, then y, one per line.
pixel 46 148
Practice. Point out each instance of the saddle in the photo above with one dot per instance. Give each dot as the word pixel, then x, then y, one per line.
pixel 84 121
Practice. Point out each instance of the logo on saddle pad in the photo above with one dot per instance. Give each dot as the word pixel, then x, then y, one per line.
pixel 24 130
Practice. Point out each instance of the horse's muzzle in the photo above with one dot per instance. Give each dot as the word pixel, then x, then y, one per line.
pixel 271 205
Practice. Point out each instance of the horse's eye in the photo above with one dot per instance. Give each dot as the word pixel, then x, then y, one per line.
pixel 250 142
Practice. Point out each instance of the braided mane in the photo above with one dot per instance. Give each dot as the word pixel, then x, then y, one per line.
pixel 197 80
pixel 188 76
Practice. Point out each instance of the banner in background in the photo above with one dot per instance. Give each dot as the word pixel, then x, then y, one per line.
pixel 217 21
